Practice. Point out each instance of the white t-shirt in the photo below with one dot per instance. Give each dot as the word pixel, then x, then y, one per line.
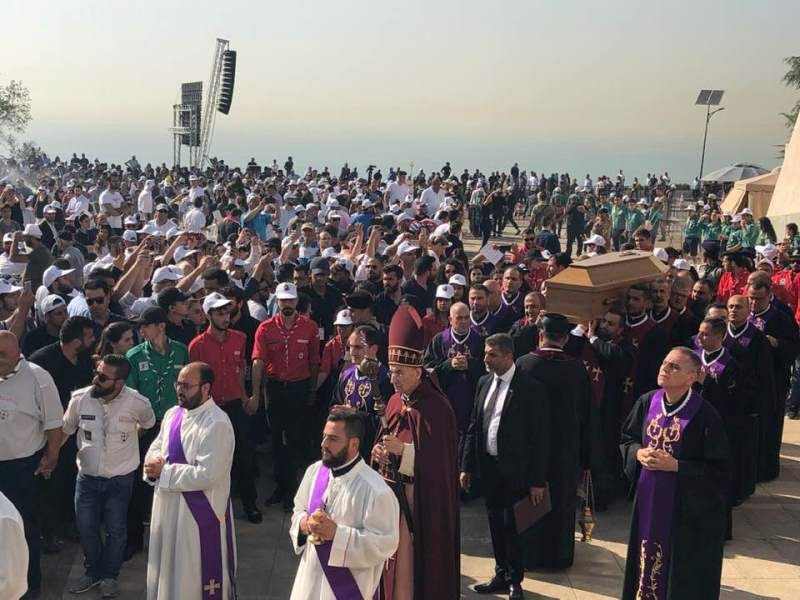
pixel 145 202
pixel 194 221
pixel 431 199
pixel 114 200
pixel 77 206
pixel 397 191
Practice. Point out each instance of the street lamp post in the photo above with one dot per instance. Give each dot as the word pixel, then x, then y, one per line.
pixel 708 98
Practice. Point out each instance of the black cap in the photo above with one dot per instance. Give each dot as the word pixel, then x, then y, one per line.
pixel 170 297
pixel 712 246
pixel 359 299
pixel 320 265
pixel 151 316
pixel 555 324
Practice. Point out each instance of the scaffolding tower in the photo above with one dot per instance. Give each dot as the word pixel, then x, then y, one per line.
pixel 184 129
pixel 209 114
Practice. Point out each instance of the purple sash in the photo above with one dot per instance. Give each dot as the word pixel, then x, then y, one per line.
pixel 207 521
pixel 715 369
pixel 340 579
pixel 761 321
pixel 655 497
pixel 743 339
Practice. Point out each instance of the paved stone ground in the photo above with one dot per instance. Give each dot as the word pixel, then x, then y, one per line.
pixel 761 563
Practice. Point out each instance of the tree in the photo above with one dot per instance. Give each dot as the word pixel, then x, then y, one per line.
pixel 791 79
pixel 15 110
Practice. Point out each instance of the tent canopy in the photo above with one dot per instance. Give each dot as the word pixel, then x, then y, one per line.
pixel 755 193
pixel 735 172
pixel 785 204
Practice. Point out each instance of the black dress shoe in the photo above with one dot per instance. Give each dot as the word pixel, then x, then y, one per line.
pixel 253 514
pixel 277 496
pixel 515 592
pixel 497 584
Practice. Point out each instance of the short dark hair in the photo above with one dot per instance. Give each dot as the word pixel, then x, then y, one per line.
pixel 353 422
pixel 717 305
pixel 73 329
pixel 371 335
pixel 642 232
pixel 218 275
pixel 396 269
pixel 119 363
pixel 718 325
pixel 96 284
pixel 479 287
pixel 423 264
pixel 501 342
pixel 644 288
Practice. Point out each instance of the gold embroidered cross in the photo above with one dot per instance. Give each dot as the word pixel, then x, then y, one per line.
pixel 596 372
pixel 211 587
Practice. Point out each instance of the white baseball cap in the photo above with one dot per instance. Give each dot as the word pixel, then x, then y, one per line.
pixel 7 288
pixel 182 252
pixel 129 236
pixel 406 246
pixel 168 273
pixel 329 252
pixel 661 254
pixel 213 301
pixel 32 230
pixel 682 264
pixel 52 273
pixel 51 302
pixel 768 251
pixel 747 211
pixel 343 317
pixel 286 291
pixel 458 279
pixel 445 291
pixel 596 240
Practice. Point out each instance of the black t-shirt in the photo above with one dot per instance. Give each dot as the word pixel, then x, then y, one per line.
pixel 183 333
pixel 67 376
pixel 324 307
pixel 36 339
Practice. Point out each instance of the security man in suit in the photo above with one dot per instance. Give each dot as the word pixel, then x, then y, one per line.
pixel 506 450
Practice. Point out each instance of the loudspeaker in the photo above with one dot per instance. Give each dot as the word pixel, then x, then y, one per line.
pixel 226 84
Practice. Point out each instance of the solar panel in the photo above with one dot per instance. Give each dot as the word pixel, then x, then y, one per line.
pixel 709 97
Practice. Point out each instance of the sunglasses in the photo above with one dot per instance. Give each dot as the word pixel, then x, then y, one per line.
pixel 102 377
pixel 93 301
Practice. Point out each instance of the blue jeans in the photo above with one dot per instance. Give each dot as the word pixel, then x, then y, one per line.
pixel 103 500
pixel 18 483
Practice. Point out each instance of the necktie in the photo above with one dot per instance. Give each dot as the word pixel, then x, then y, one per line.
pixel 488 409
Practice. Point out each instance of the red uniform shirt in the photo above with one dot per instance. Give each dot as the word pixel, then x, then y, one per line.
pixel 226 358
pixel 728 286
pixel 431 326
pixel 783 287
pixel 331 354
pixel 288 354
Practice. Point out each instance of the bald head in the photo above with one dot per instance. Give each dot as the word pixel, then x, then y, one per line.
pixel 459 318
pixel 9 352
pixel 738 310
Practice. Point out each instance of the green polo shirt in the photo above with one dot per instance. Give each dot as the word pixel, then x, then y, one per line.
pixel 735 237
pixel 618 216
pixel 633 221
pixel 693 227
pixel 711 230
pixel 750 235
pixel 154 374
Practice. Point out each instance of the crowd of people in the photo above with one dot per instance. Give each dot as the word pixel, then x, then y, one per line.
pixel 157 325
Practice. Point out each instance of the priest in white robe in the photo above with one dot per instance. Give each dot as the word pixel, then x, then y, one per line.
pixel 192 547
pixel 346 519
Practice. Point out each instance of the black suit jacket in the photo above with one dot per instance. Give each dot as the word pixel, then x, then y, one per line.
pixel 523 437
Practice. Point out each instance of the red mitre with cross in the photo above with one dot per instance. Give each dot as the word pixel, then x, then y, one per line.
pixel 406 338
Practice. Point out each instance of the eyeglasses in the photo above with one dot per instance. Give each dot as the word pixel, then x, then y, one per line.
pixel 183 385
pixel 93 301
pixel 102 377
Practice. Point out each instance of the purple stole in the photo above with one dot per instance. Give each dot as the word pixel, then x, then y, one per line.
pixel 357 389
pixel 459 389
pixel 743 339
pixel 761 321
pixel 715 369
pixel 207 523
pixel 517 306
pixel 340 579
pixel 655 496
pixel 485 327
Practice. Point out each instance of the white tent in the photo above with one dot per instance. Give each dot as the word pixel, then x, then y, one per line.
pixel 754 193
pixel 785 205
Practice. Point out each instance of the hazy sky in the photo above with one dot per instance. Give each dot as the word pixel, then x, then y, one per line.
pixel 556 85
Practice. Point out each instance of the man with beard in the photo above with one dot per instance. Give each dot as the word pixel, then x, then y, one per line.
pixel 223 349
pixel 481 320
pixel 108 416
pixel 650 343
pixel 776 321
pixel 686 324
pixel 69 363
pixel 175 305
pixel 38 259
pixel 455 355
pixel 154 366
pixel 420 285
pixel 751 348
pixel 661 312
pixel 511 297
pixel 98 297
pixel 416 454
pixel 525 332
pixel 550 543
pixel 388 300
pixel 54 310
pixel 730 390
pixel 676 454
pixel 345 520
pixel 325 299
pixel 702 296
pixel 57 279
pixel 191 552
pixel 287 352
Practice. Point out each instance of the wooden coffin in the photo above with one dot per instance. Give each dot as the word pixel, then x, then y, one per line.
pixel 584 290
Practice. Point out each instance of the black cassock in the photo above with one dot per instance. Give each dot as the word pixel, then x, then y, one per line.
pixel 697 534
pixel 730 390
pixel 783 328
pixel 550 542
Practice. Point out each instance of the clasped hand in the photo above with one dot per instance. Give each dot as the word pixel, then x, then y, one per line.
pixel 153 466
pixel 321 525
pixel 655 459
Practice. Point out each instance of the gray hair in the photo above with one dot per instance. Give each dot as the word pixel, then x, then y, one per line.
pixel 501 342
